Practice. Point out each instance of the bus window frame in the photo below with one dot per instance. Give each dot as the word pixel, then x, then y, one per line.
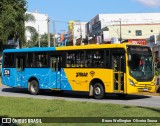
pixel 105 54
pixel 117 51
pixel 3 61
pixel 56 54
pixel 41 53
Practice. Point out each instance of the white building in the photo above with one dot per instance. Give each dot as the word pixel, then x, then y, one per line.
pixel 77 31
pixel 40 24
pixel 124 26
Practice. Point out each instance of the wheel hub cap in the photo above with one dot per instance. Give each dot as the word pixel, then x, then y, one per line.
pixel 97 91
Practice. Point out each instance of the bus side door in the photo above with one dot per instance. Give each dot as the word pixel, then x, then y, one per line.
pixel 119 72
pixel 55 63
pixel 20 64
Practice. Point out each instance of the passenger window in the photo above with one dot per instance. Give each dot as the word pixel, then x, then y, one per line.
pixel 40 60
pixel 8 60
pixel 94 58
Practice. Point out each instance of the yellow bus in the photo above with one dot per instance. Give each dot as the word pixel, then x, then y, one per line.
pixel 97 69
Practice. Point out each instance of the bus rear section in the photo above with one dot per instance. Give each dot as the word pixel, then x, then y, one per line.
pixel 35 70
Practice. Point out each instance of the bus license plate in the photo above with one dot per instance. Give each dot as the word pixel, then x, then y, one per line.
pixel 145 89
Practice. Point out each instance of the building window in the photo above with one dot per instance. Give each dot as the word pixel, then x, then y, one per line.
pixel 138 32
pixel 129 31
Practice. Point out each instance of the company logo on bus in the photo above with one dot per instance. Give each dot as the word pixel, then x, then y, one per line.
pixel 81 74
pixel 84 74
pixel 92 73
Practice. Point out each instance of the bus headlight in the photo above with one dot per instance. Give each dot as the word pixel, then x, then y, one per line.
pixel 131 82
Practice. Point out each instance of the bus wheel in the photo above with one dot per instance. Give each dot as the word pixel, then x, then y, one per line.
pixel 98 91
pixel 34 87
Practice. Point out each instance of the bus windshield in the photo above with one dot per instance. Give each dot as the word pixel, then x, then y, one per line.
pixel 141 65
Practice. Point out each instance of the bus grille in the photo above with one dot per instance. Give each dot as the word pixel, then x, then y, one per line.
pixel 144 89
pixel 144 85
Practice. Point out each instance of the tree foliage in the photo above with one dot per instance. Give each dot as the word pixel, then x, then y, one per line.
pixel 34 34
pixel 12 18
pixel 44 40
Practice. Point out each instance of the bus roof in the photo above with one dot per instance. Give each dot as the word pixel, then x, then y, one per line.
pixel 34 49
pixel 91 46
pixel 96 46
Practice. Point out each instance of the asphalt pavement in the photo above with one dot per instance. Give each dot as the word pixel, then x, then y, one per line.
pixel 133 100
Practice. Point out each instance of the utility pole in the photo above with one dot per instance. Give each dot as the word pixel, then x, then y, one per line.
pixel 39 38
pixel 120 39
pixel 80 31
pixel 54 34
pixel 48 21
pixel 120 29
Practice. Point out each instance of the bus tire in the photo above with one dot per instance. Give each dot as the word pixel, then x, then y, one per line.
pixel 34 87
pixel 98 91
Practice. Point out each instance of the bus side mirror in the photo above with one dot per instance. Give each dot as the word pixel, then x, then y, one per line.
pixel 129 57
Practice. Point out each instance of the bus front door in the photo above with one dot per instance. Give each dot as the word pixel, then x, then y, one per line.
pixel 55 63
pixel 119 72
pixel 20 64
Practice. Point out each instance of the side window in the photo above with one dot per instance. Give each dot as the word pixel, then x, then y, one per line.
pixel 53 63
pixel 107 58
pixel 40 60
pixel 98 58
pixel 80 59
pixel 119 62
pixel 8 60
pixel 89 59
pixel 30 60
pixel 94 58
pixel 70 59
pixel 20 63
pixel 75 59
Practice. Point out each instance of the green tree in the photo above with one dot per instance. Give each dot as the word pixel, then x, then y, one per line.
pixel 34 34
pixel 12 19
pixel 44 40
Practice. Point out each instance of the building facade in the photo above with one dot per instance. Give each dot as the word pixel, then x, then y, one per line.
pixel 40 24
pixel 154 43
pixel 77 32
pixel 113 27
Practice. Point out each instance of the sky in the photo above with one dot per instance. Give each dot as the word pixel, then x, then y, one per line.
pixel 62 11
